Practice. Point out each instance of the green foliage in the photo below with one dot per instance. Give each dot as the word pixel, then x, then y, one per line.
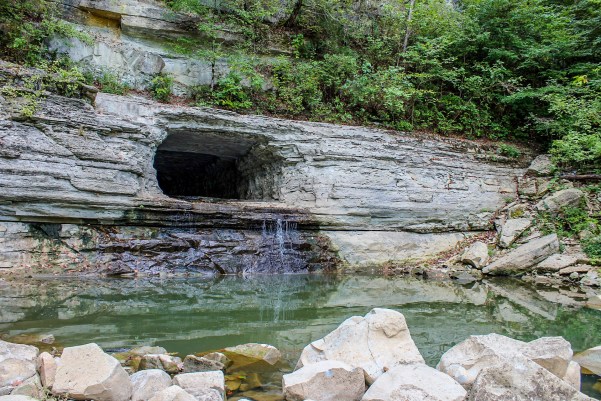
pixel 24 27
pixel 108 82
pixel 592 247
pixel 509 151
pixel 160 87
pixel 569 222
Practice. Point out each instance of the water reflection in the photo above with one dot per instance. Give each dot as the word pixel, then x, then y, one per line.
pixel 193 315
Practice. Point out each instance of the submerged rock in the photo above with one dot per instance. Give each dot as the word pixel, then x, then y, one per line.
pixel 86 372
pixel 415 382
pixel 252 355
pixel 521 259
pixel 17 363
pixel 377 342
pixel 147 383
pixel 324 381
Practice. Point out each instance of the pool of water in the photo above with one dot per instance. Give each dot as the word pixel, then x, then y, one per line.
pixel 288 311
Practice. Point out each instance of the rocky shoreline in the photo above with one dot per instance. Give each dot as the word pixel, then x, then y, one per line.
pixel 366 358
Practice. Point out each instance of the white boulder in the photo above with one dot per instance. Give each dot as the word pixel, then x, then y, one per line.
pixel 17 363
pixel 415 382
pixel 324 381
pixel 376 343
pixel 202 385
pixel 573 375
pixel 571 197
pixel 86 372
pixel 173 393
pixel 521 379
pixel 465 360
pixel 147 383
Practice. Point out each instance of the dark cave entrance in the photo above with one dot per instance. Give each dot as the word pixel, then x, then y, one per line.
pixel 213 165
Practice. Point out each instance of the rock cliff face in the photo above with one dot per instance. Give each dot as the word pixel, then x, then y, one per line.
pixel 87 184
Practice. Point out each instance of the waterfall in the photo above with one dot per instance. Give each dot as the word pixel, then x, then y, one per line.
pixel 278 240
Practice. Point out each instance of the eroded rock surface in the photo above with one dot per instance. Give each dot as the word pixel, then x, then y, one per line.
pixel 17 363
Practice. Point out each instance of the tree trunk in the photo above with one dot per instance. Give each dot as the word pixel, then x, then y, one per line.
pixel 291 21
pixel 408 30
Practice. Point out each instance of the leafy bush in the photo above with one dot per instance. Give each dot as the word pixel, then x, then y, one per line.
pixel 592 247
pixel 231 93
pixel 509 151
pixel 160 87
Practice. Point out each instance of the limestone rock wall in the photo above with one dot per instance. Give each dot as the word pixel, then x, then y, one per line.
pixel 376 195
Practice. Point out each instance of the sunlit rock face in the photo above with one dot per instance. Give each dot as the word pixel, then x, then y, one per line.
pixel 368 195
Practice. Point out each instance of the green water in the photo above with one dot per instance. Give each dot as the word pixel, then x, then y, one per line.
pixel 195 315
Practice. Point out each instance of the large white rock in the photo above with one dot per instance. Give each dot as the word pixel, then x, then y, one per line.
pixel 511 230
pixel 521 379
pixel 415 382
pixel 590 359
pixel 86 372
pixel 17 363
pixel 202 385
pixel 324 381
pixel 521 259
pixel 173 393
pixel 476 255
pixel 376 343
pixel 465 361
pixel 147 383
pixel 31 387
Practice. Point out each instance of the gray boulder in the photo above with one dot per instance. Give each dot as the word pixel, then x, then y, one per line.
pixel 85 372
pixel 571 197
pixel 376 343
pixel 147 383
pixel 557 262
pixel 31 387
pixel 541 166
pixel 324 381
pixel 193 363
pixel 476 255
pixel 16 398
pixel 511 230
pixel 17 363
pixel 168 363
pixel 522 258
pixel 415 382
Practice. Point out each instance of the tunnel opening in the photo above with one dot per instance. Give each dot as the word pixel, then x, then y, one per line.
pixel 211 165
